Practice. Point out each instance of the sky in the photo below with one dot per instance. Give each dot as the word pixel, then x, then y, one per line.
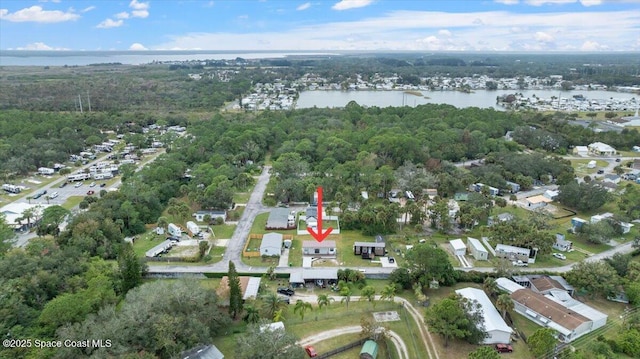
pixel 285 25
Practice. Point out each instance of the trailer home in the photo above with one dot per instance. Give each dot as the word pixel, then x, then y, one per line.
pixel 174 230
pixel 193 228
pixel 11 188
pixel 45 171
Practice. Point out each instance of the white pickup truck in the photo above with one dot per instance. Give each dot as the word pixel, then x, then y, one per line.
pixel 520 263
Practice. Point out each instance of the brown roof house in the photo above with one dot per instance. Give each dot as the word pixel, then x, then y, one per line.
pixel 567 316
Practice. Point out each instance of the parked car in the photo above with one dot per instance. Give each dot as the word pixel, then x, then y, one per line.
pixel 617 160
pixel 286 291
pixel 560 256
pixel 504 348
pixel 63 184
pixel 77 184
pixel 102 185
pixel 392 260
pixel 311 351
pixel 53 195
pixel 89 193
pixel 92 184
pixel 600 172
pixel 520 263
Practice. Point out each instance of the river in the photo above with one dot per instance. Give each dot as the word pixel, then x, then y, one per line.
pixel 478 98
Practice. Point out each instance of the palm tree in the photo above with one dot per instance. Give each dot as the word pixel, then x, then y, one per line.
pixel 388 292
pixel 252 314
pixel 28 214
pixel 490 286
pixel 346 292
pixel 302 307
pixel 504 304
pixel 324 300
pixel 369 293
pixel 271 303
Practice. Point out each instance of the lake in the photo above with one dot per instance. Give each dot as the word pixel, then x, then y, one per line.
pixel 479 98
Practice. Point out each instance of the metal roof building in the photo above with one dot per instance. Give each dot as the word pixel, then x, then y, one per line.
pixel 497 330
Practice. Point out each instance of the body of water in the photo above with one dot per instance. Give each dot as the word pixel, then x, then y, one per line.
pixel 83 58
pixel 478 98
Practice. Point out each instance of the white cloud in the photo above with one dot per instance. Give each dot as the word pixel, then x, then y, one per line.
pixel 109 23
pixel 351 4
pixel 41 46
pixel 543 37
pixel 593 46
pixel 140 9
pixel 444 32
pixel 591 2
pixel 545 2
pixel 411 30
pixel 122 15
pixel 87 9
pixel 38 14
pixel 136 46
pixel 507 2
pixel 304 6
pixel 209 4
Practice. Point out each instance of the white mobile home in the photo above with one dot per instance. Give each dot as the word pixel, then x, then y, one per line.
pixel 477 250
pixel 457 247
pixel 45 171
pixel 497 330
pixel 193 228
pixel 174 230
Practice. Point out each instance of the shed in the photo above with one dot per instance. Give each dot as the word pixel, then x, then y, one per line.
pixel 271 244
pixel 513 253
pixel 159 249
pixel 369 350
pixel 458 248
pixel 477 250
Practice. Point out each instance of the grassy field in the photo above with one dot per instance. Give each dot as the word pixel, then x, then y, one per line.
pixel 261 262
pixel 72 202
pixel 241 197
pixel 224 231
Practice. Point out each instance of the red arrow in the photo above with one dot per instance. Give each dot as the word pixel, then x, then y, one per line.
pixel 319 236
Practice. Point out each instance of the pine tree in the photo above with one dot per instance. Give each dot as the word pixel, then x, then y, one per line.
pixel 235 292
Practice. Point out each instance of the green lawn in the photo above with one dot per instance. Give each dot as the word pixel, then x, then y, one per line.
pixel 258 224
pixel 295 253
pixel 241 197
pixel 261 262
pixel 146 241
pixel 72 202
pixel 224 231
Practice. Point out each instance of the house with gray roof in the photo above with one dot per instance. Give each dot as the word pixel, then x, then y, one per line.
pixel 271 244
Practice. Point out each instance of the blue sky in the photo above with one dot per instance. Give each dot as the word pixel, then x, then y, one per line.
pixel 421 25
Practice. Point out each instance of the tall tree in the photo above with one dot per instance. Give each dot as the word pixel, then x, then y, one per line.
pixel 251 314
pixel 6 236
pixel 426 262
pixel 504 304
pixel 490 286
pixel 485 352
pixel 346 292
pixel 267 344
pixel 131 268
pixel 542 342
pixel 596 278
pixel 235 291
pixel 301 307
pixel 388 292
pixel 271 303
pixel 324 300
pixel 448 319
pixel 369 293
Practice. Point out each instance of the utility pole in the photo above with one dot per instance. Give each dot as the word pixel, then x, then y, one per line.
pixel 80 101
